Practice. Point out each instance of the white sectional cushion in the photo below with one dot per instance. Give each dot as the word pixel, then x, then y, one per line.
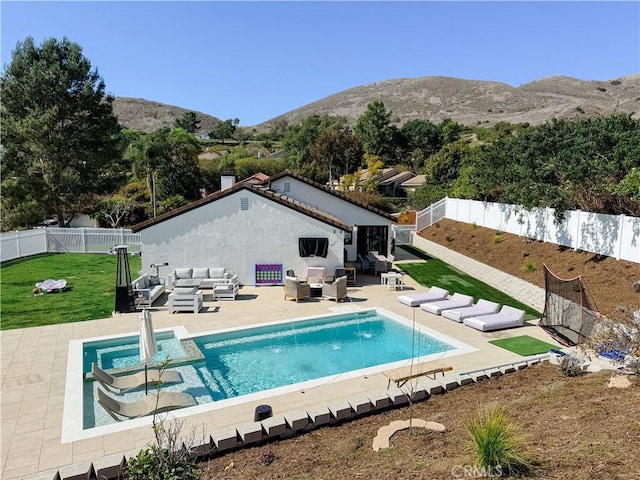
pixel 217 272
pixel 184 272
pixel 200 273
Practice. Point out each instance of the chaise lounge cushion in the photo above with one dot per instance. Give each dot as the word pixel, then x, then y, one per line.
pixel 483 307
pixel 415 299
pixel 457 300
pixel 508 317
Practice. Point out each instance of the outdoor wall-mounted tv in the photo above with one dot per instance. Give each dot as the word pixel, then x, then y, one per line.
pixel 313 247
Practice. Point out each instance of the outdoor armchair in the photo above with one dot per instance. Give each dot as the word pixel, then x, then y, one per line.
pixel 336 290
pixel 295 289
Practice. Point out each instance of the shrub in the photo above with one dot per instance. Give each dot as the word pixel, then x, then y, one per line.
pixel 529 267
pixel 266 457
pixel 497 238
pixel 571 366
pixel 497 444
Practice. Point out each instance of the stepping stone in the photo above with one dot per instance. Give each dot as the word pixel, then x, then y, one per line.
pixel 385 433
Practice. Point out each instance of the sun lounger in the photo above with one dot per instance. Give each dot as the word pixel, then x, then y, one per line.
pixel 432 295
pixel 457 300
pixel 129 382
pixel 508 317
pixel 483 307
pixel 154 403
pixel 404 374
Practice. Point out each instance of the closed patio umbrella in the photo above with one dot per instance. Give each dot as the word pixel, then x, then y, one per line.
pixel 148 345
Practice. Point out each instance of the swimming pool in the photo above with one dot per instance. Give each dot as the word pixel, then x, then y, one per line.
pixel 258 361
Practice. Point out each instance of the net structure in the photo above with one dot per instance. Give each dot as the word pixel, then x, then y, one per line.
pixel 568 315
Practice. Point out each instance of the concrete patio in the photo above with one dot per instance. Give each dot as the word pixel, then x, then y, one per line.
pixel 34 370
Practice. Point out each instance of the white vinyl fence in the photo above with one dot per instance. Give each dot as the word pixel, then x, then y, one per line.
pixel 615 236
pixel 59 240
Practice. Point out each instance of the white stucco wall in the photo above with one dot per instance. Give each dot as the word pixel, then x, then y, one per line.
pixel 220 234
pixel 347 212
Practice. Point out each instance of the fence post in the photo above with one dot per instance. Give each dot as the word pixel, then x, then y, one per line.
pixel 621 218
pixel 83 240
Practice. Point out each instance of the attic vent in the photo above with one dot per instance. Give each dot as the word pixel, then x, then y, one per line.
pixel 287 187
pixel 244 203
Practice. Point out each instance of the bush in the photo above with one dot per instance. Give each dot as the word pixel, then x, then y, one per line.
pixel 498 446
pixel 571 366
pixel 529 267
pixel 155 462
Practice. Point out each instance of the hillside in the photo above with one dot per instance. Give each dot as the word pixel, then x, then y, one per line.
pixel 472 101
pixel 148 116
pixel 469 102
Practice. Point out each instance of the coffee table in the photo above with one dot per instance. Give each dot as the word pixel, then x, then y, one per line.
pixel 189 282
pixel 315 289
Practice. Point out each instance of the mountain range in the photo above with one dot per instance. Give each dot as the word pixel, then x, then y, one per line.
pixel 433 98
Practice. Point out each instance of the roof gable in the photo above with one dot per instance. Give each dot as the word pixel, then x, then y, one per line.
pixel 258 190
pixel 329 191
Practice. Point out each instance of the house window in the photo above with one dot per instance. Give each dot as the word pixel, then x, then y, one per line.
pixel 287 187
pixel 313 247
pixel 244 203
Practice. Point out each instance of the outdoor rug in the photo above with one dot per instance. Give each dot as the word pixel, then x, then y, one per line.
pixel 524 345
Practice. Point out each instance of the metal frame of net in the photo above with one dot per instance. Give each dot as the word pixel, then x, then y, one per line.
pixel 568 314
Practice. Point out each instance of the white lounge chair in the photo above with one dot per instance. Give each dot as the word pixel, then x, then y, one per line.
pixel 154 403
pixel 483 307
pixel 135 380
pixel 508 317
pixel 457 300
pixel 415 299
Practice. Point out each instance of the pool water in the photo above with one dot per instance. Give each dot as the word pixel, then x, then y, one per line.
pixel 243 362
pixel 125 352
pixel 256 359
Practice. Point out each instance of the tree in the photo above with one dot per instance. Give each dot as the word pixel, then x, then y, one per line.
pixel 167 159
pixel 189 122
pixel 373 128
pixel 423 139
pixel 224 130
pixel 299 139
pixel 58 128
pixel 337 151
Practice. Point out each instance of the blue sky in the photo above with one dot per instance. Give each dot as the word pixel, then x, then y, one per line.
pixel 257 60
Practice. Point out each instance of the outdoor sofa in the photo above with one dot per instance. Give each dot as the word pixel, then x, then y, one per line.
pixel 210 276
pixel 508 317
pixel 146 290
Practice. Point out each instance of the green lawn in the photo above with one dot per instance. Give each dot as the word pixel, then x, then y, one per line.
pixel 436 272
pixel 91 294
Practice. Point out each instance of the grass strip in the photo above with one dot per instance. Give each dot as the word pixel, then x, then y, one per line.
pixel 523 345
pixel 435 272
pixel 90 295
